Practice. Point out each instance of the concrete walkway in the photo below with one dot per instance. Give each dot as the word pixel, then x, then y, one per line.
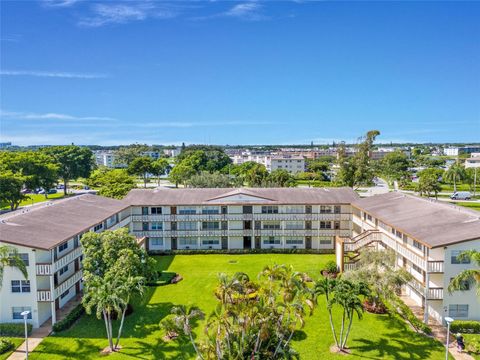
pixel 34 339
pixel 439 331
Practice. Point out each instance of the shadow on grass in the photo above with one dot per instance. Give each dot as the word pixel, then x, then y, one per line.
pixel 163 262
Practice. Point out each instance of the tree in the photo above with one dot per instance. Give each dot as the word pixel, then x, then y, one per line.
pixel 207 158
pixel 159 168
pixel 468 276
pixel 428 182
pixel 256 175
pixel 11 189
pixel 114 268
pixel 363 169
pixel 346 167
pixel 141 166
pixel 114 183
pixel 455 173
pixel 209 180
pixel 9 257
pixel 126 154
pixel 181 173
pixel 394 166
pixel 280 178
pixel 347 295
pixel 73 162
pixel 376 268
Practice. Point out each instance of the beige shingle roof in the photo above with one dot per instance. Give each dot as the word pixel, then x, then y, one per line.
pixel 205 196
pixel 47 226
pixel 431 222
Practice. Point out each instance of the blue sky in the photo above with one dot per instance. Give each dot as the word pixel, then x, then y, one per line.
pixel 238 72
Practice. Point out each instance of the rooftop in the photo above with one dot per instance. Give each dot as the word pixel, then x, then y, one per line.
pixel 429 221
pixel 210 196
pixel 44 227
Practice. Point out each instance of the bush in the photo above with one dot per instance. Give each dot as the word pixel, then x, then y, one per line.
pixel 68 321
pixel 241 251
pixel 331 267
pixel 406 313
pixel 5 345
pixel 14 329
pixel 465 326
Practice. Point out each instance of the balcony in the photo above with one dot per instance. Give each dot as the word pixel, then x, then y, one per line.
pixel 241 217
pixel 67 259
pixel 44 295
pixel 123 223
pixel 435 294
pixel 43 269
pixel 68 283
pixel 435 266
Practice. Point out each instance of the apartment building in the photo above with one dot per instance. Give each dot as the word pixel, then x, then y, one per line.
pixel 292 164
pixel 455 151
pixel 47 237
pixel 427 237
pixel 105 158
pixel 251 218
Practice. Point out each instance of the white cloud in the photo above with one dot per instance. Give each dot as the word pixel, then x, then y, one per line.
pixel 50 116
pixel 246 11
pixel 179 124
pixel 104 14
pixel 60 3
pixel 54 74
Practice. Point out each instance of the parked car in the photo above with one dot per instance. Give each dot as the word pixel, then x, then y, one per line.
pixel 52 191
pixel 461 195
pixel 39 191
pixel 60 186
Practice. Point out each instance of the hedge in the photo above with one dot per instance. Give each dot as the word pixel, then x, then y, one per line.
pixel 465 326
pixel 241 251
pixel 68 321
pixel 14 329
pixel 5 345
pixel 407 313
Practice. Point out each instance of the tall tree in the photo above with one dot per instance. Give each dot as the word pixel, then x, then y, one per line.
pixel 209 180
pixel 181 173
pixel 280 178
pixel 11 189
pixel 141 166
pixel 455 173
pixel 9 257
pixel 346 167
pixel 126 154
pixel 363 168
pixel 114 183
pixel 73 162
pixel 428 182
pixel 394 166
pixel 159 168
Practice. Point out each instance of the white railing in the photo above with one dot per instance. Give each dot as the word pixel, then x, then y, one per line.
pixel 67 259
pixel 435 294
pixel 121 224
pixel 67 284
pixel 435 266
pixel 415 284
pixel 44 295
pixel 349 266
pixel 241 217
pixel 362 240
pixel 44 269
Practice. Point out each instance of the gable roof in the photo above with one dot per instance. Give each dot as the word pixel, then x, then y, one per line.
pixel 48 225
pixel 206 196
pixel 433 223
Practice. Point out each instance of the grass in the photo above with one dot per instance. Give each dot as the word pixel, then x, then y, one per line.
pixel 460 187
pixel 374 337
pixel 37 198
pixel 16 342
pixel 470 205
pixel 469 337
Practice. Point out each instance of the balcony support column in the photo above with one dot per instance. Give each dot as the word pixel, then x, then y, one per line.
pixel 427 290
pixel 52 303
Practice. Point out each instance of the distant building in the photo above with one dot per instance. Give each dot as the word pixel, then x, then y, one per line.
pixel 455 151
pixel 173 152
pixel 5 145
pixel 293 164
pixel 473 162
pixel 105 158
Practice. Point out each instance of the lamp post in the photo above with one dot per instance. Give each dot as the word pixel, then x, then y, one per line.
pixel 449 321
pixel 25 315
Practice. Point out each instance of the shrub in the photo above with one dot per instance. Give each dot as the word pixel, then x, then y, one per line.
pixel 331 267
pixel 465 326
pixel 5 345
pixel 68 321
pixel 14 329
pixel 241 251
pixel 406 313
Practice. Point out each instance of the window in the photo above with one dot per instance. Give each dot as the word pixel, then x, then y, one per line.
pixel 62 247
pixel 417 268
pixel 369 217
pixel 337 209
pixel 269 209
pixel 294 209
pixel 22 286
pixel 156 241
pixel 111 220
pixel 417 245
pixel 464 285
pixel 145 226
pixel 455 258
pixel 336 225
pixel 248 209
pixel 405 239
pixel 324 209
pixel 271 240
pixel 98 227
pixel 17 311
pixel 325 224
pixel 458 311
pixel 294 240
pixel 325 242
pixel 399 234
pixel 144 210
pixel 308 209
pixel 157 226
pixel 156 210
pixel 187 211
pixel 63 270
pixel 271 225
pixel 187 241
pixel 224 210
pixel 210 242
pixel 64 294
pixel 210 225
pixel 294 225
pixel 24 257
pixel 210 210
pixel 187 225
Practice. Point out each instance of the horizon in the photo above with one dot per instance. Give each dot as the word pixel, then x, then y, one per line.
pixel 238 73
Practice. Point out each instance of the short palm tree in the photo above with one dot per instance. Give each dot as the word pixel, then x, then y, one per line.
pixel 9 257
pixel 454 174
pixel 467 276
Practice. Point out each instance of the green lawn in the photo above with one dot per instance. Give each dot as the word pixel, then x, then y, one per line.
pixel 36 198
pixel 470 205
pixel 16 342
pixel 375 337
pixel 470 337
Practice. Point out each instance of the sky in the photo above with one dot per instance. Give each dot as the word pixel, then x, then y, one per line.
pixel 248 72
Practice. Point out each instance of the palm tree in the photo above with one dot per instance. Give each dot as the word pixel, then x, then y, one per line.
pixel 9 257
pixel 454 174
pixel 467 276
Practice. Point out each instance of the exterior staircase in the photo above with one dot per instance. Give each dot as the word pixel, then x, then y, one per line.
pixel 351 247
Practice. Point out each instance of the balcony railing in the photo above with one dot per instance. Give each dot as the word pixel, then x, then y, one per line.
pixel 67 259
pixel 67 284
pixel 44 295
pixel 43 269
pixel 349 266
pixel 435 294
pixel 121 224
pixel 435 266
pixel 241 217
